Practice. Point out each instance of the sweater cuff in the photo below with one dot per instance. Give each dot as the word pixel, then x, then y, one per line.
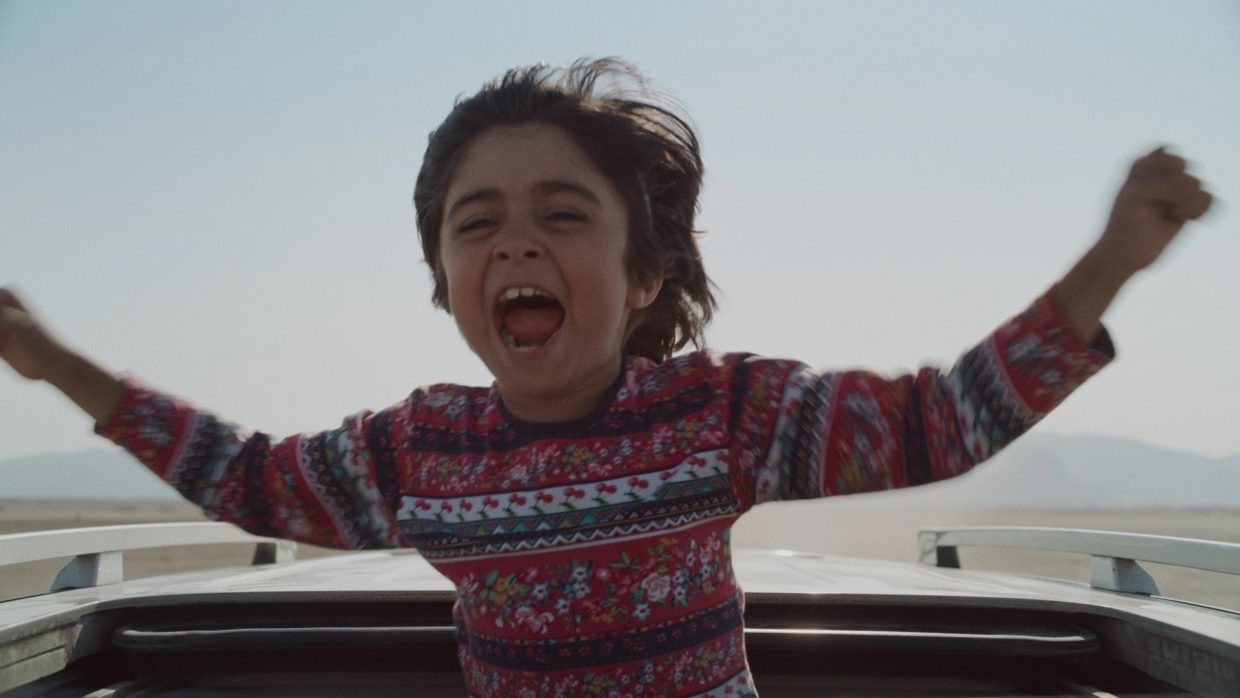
pixel 1044 357
pixel 1100 344
pixel 131 397
pixel 146 423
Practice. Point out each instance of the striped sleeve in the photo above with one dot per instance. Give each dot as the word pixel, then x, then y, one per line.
pixel 807 434
pixel 330 488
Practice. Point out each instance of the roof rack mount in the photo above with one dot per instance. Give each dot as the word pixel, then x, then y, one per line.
pixel 1114 557
pixel 97 552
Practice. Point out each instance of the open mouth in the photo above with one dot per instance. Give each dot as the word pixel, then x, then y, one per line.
pixel 527 317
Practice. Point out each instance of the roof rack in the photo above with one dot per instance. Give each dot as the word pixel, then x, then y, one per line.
pixel 1113 557
pixel 97 551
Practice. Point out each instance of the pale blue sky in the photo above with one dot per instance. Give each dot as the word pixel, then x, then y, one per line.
pixel 215 195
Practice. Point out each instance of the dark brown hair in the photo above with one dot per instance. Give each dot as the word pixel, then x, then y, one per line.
pixel 647 151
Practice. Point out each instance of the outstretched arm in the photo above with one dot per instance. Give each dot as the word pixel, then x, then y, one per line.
pixel 814 434
pixel 1152 206
pixel 321 488
pixel 36 354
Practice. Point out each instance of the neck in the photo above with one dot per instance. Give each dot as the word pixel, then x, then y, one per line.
pixel 579 402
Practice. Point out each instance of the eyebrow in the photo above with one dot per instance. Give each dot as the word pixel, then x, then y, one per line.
pixel 544 188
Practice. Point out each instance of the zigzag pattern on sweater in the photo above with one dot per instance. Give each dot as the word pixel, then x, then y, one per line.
pixel 509 537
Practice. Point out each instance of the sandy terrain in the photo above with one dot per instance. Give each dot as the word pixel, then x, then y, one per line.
pixel 863 526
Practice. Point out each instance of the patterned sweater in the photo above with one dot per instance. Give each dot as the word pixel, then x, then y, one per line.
pixel 591 557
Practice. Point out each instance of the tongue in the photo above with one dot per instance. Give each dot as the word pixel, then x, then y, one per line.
pixel 533 325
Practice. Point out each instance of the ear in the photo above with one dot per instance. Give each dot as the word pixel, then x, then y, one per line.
pixel 641 295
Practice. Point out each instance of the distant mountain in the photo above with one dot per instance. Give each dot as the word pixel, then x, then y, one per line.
pixel 1092 471
pixel 1039 470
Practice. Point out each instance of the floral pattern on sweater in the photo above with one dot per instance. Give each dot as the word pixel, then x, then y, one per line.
pixel 592 557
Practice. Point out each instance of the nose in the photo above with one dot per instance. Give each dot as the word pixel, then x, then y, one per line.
pixel 517 245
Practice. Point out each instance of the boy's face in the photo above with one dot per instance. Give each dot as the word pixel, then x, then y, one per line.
pixel 533 252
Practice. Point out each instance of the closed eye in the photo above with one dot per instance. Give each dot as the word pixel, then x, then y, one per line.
pixel 565 216
pixel 476 224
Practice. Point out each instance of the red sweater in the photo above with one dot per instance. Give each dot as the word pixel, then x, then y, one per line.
pixel 591 557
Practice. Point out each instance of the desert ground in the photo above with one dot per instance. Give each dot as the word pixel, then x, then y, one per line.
pixel 866 526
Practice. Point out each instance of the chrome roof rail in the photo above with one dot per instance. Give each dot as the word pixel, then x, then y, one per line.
pixel 97 552
pixel 1113 563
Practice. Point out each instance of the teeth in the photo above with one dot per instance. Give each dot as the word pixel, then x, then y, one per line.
pixel 520 292
pixel 512 343
pixel 510 294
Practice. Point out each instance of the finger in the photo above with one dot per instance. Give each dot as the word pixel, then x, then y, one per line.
pixel 1164 187
pixel 1159 161
pixel 9 297
pixel 1180 196
pixel 9 319
pixel 1185 199
pixel 1191 207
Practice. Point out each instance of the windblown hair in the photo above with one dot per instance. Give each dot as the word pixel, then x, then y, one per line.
pixel 647 151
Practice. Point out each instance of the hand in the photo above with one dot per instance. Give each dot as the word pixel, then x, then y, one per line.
pixel 1152 206
pixel 33 352
pixel 24 343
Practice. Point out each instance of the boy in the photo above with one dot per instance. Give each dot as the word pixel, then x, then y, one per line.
pixel 582 503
